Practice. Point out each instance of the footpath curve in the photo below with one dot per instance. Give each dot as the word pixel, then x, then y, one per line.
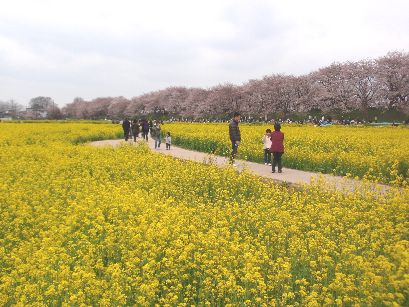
pixel 288 176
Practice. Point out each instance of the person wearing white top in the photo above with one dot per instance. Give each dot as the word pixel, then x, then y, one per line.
pixel 267 147
pixel 168 141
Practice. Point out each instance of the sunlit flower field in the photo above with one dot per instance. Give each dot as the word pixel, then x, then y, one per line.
pixel 375 153
pixel 127 226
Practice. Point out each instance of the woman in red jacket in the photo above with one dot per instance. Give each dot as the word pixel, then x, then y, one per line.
pixel 277 147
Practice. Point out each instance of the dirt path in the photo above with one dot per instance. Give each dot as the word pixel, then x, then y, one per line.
pixel 290 176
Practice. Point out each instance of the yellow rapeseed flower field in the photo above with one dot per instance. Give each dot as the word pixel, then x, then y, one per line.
pixel 375 153
pixel 126 226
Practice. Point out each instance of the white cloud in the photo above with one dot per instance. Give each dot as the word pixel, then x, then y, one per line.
pixel 94 48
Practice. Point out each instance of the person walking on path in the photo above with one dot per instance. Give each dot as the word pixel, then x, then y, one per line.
pixel 153 135
pixel 168 140
pixel 145 129
pixel 126 125
pixel 277 147
pixel 235 137
pixel 135 129
pixel 156 134
pixel 267 147
pixel 159 133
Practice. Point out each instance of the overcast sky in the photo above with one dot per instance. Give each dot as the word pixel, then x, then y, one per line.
pixel 86 48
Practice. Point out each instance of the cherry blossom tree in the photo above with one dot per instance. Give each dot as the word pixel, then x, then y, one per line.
pixel 75 108
pixel 258 98
pixel 98 108
pixel 364 83
pixel 337 91
pixel 117 107
pixel 223 100
pixel 393 72
pixel 195 106
pixel 306 93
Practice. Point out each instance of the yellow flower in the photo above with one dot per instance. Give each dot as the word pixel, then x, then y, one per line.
pixel 126 226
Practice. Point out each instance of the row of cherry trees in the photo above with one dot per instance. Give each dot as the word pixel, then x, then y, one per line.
pixel 381 83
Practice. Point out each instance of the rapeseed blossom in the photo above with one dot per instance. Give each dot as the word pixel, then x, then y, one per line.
pixel 373 153
pixel 126 226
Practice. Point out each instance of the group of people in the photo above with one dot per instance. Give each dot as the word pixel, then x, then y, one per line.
pixel 136 127
pixel 273 143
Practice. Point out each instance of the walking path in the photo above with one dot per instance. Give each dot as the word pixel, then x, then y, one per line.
pixel 290 176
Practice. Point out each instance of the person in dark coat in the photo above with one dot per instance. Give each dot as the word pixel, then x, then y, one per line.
pixel 235 137
pixel 145 129
pixel 277 147
pixel 156 130
pixel 135 129
pixel 126 125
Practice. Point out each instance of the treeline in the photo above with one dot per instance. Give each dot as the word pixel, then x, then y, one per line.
pixel 381 83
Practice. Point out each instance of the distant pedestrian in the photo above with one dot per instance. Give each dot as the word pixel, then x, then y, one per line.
pixel 153 134
pixel 267 147
pixel 277 147
pixel 235 137
pixel 135 129
pixel 168 140
pixel 156 134
pixel 145 129
pixel 126 125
